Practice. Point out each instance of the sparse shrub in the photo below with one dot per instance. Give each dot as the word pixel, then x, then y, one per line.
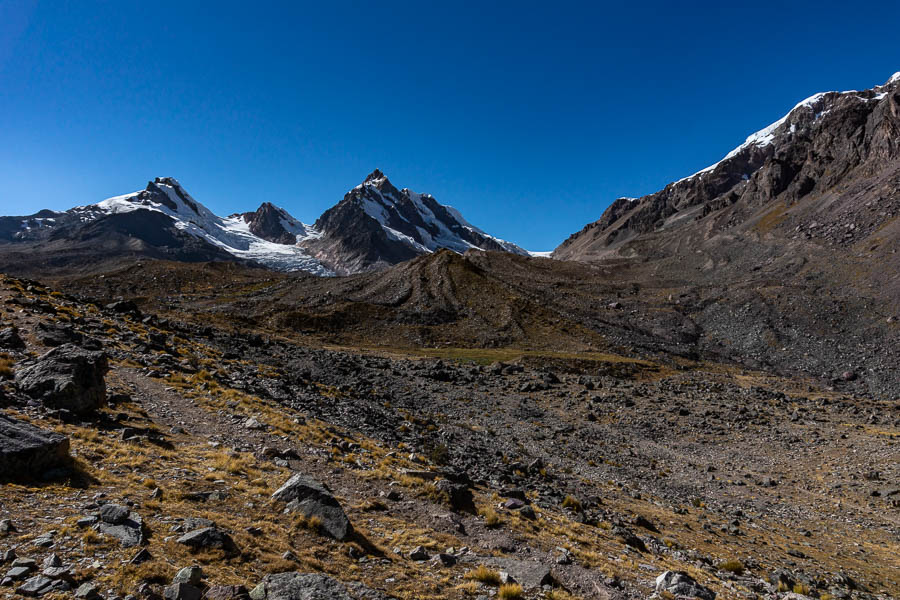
pixel 91 537
pixel 484 575
pixel 560 595
pixel 374 505
pixel 510 591
pixel 491 518
pixel 439 454
pixel 573 503
pixel 802 589
pixel 470 588
pixel 312 524
pixel 733 566
pixel 6 367
pixel 430 491
pixel 129 577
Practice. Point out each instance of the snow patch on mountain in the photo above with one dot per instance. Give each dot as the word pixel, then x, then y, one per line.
pixel 427 230
pixel 231 234
pixel 766 136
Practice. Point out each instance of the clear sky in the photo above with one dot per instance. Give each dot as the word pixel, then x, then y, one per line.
pixel 529 117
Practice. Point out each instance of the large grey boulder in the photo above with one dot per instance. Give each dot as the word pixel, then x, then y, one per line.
pixel 313 499
pixel 208 538
pixel 26 451
pixel 311 586
pixel 681 584
pixel 529 573
pixel 182 591
pixel 10 339
pixel 123 523
pixel 39 585
pixel 66 377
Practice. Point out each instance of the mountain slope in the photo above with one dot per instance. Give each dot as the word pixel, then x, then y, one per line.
pixel 817 162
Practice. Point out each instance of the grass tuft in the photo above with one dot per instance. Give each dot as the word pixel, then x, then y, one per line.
pixel 484 575
pixel 510 591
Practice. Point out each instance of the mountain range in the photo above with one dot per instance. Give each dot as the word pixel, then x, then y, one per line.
pixel 695 396
pixel 374 226
pixel 826 171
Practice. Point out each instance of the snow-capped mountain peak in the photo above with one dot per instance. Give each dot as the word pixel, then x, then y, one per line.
pixel 234 234
pixel 375 219
pixel 804 113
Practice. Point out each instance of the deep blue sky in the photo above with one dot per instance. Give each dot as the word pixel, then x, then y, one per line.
pixel 528 117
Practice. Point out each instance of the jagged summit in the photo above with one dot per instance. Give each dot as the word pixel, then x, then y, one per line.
pixel 374 176
pixel 377 224
pixel 274 224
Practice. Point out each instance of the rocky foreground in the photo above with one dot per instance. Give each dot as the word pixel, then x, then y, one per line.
pixel 147 457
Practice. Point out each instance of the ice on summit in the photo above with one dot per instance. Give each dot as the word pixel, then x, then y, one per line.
pixel 766 136
pixel 382 206
pixel 231 234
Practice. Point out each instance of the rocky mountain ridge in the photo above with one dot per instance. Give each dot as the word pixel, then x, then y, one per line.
pixel 375 226
pixel 818 151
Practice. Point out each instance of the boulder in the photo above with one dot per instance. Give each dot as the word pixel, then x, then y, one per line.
pixel 26 450
pixel 528 573
pixel 208 538
pixel 121 523
pixel 182 591
pixel 57 334
pixel 124 307
pixel 88 591
pixel 681 584
pixel 311 586
pixel 39 585
pixel 314 500
pixel 66 377
pixel 10 339
pixel 192 575
pixel 227 592
pixel 114 514
pixel 459 495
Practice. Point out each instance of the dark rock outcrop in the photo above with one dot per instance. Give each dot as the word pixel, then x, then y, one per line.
pixel 66 377
pixel 209 538
pixel 826 141
pixel 268 223
pixel 26 450
pixel 122 523
pixel 313 499
pixel 10 339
